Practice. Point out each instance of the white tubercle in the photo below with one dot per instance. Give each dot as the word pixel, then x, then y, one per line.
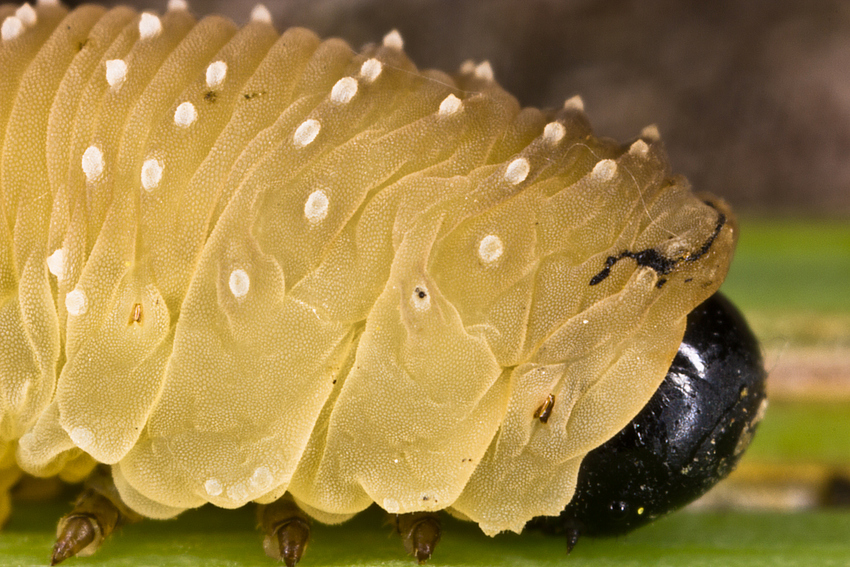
pixel 306 132
pixel 574 103
pixel 56 263
pixel 239 283
pixel 450 105
pixel 174 5
pixel 393 40
pixel 216 72
pixel 92 163
pixel 82 437
pixel 484 71
pixel 27 15
pixel 370 69
pixel 517 171
pixel 185 114
pixel 639 148
pixel 490 248
pixel 316 207
pixel 213 487
pixel 260 13
pixel 116 73
pixel 467 67
pixel 604 170
pixel 261 479
pixel 151 174
pixel 76 302
pixel 344 90
pixel 554 132
pixel 12 27
pixel 651 133
pixel 150 26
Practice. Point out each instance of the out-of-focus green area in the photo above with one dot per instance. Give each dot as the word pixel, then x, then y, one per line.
pixel 792 280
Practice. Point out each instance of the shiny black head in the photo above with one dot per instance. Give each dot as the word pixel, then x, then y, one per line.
pixel 688 437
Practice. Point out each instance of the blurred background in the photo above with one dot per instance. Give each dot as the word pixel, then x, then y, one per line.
pixel 753 103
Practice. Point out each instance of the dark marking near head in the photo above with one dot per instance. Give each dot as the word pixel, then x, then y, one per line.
pixel 651 258
pixel 661 283
pixel 211 96
pixel 543 412
pixel 82 44
pixel 420 293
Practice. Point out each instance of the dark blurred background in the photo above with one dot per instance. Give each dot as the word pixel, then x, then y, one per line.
pixel 752 98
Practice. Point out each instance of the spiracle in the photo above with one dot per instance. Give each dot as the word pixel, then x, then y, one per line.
pixel 237 265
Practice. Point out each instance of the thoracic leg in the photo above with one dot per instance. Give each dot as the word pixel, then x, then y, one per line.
pixel 420 532
pixel 287 530
pixel 97 512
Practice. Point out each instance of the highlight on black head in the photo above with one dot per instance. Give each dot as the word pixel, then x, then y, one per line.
pixel 689 436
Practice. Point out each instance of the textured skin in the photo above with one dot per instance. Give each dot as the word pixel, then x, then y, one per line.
pixel 355 297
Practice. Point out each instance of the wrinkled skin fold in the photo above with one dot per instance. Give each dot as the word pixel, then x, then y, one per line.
pixel 251 264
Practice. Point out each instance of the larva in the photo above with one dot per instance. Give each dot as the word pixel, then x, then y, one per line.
pixel 238 266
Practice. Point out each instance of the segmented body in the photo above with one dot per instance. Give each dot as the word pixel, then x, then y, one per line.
pixel 235 265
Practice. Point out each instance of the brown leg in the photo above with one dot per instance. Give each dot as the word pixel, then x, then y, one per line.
pixel 420 532
pixel 287 530
pixel 96 514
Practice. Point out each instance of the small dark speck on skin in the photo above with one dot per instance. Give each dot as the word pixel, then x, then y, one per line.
pixel 420 293
pixel 253 95
pixel 211 96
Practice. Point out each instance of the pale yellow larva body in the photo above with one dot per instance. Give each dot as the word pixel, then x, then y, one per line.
pixel 235 265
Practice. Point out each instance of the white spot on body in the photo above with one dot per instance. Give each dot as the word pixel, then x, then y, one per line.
pixel 216 73
pixel 393 40
pixel 651 133
pixel 47 2
pixel 56 264
pixel 93 163
pixel 420 299
pixel 150 26
pixel 261 479
pixel 260 13
pixel 27 15
pixel 574 103
pixel 237 492
pixel 82 437
pixel 554 132
pixel 185 114
pixel 467 67
pixel 12 27
pixel 316 207
pixel 174 5
pixel 604 170
pixel 151 174
pixel 213 486
pixel 517 171
pixel 344 90
pixel 370 69
pixel 391 505
pixel 239 283
pixel 116 72
pixel 484 71
pixel 306 132
pixel 450 105
pixel 490 248
pixel 639 148
pixel 76 302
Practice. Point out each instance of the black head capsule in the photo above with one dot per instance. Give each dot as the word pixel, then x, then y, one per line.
pixel 689 436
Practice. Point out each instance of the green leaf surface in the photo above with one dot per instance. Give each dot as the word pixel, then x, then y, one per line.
pixel 227 538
